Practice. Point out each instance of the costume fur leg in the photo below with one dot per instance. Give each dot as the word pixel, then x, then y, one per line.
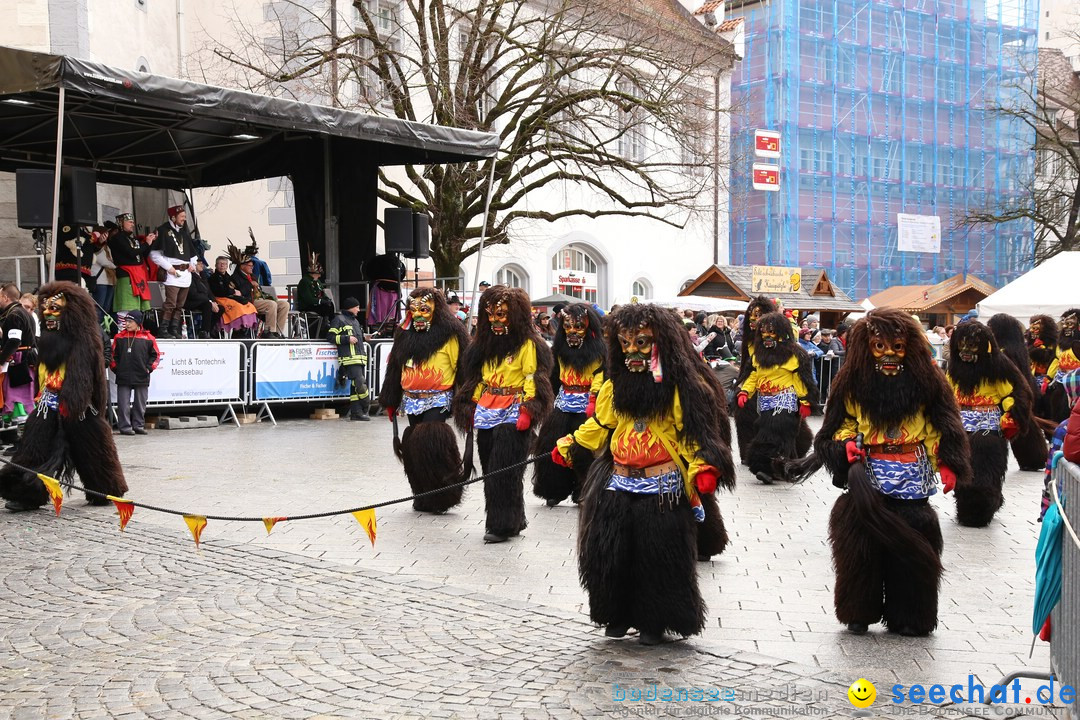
pixel 1056 402
pixel 1030 449
pixel 712 536
pixel 550 481
pixel 504 497
pixel 775 439
pixel 911 600
pixel 93 454
pixel 804 440
pixel 745 428
pixel 42 448
pixel 977 503
pixel 856 556
pixel 429 452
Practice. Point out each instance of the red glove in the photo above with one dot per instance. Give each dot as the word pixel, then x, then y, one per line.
pixel 854 452
pixel 590 409
pixel 524 420
pixel 741 400
pixel 1045 384
pixel 390 413
pixel 948 478
pixel 64 410
pixel 804 409
pixel 706 480
pixel 1009 428
pixel 557 458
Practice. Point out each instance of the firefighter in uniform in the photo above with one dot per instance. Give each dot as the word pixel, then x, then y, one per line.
pixel 347 334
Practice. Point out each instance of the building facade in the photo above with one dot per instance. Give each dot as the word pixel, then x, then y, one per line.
pixel 883 107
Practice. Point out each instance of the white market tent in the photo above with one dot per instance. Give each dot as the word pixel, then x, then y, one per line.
pixel 1049 288
pixel 702 303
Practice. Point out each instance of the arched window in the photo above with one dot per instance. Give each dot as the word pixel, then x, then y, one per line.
pixel 512 276
pixel 574 273
pixel 641 289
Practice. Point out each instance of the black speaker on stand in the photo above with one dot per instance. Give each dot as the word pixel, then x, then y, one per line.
pixel 33 198
pixel 78 196
pixel 421 244
pixel 398 230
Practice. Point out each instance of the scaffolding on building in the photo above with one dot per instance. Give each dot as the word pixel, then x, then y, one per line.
pixel 884 107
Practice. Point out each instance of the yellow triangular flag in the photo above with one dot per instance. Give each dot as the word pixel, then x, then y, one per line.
pixel 195 524
pixel 124 508
pixel 270 522
pixel 366 518
pixel 56 494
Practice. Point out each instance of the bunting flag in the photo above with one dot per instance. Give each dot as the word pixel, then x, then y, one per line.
pixel 270 522
pixel 124 508
pixel 366 518
pixel 55 493
pixel 195 524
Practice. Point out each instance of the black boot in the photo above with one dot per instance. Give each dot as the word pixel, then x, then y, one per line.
pixel 361 411
pixel 174 328
pixel 163 332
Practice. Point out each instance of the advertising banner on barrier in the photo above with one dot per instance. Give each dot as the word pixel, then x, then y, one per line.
pixel 296 371
pixel 193 372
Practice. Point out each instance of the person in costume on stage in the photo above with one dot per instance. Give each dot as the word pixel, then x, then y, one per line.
pixel 890 423
pixel 782 382
pixel 658 424
pixel 130 255
pixel 995 404
pixel 311 291
pixel 175 253
pixel 67 432
pixel 237 312
pixel 348 335
pixel 1029 446
pixel 1066 360
pixel 422 370
pixel 275 311
pixel 580 354
pixel 506 388
pixel 1042 343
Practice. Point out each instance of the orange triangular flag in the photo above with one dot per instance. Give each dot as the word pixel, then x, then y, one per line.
pixel 124 508
pixel 195 524
pixel 55 493
pixel 366 518
pixel 270 522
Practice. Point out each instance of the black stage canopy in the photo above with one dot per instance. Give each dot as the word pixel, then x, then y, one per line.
pixel 147 130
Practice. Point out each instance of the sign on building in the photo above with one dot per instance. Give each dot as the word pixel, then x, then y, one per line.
pixel 918 233
pixel 772 279
pixel 766 143
pixel 766 177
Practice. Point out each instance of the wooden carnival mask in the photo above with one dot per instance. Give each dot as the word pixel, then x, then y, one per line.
pixel 499 317
pixel 51 311
pixel 888 354
pixel 422 308
pixel 575 328
pixel 637 346
pixel 1069 326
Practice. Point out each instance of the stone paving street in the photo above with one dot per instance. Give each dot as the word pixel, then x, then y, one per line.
pixel 312 622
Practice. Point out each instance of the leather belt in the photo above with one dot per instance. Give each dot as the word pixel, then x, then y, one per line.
pixel 505 390
pixel 646 472
pixel 421 394
pixel 577 388
pixel 979 408
pixel 895 449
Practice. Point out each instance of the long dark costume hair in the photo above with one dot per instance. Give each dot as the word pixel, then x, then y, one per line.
pixel 651 583
pixel 76 438
pixel 776 432
pixel 552 482
pixel 1029 446
pixel 1056 400
pixel 746 417
pixel 886 552
pixel 977 503
pixel 428 447
pixel 504 445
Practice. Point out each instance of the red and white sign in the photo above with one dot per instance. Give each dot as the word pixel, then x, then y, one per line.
pixel 574 277
pixel 766 143
pixel 766 177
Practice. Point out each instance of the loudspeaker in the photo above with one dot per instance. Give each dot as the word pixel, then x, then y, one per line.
pixel 398 230
pixel 78 196
pixel 421 249
pixel 33 198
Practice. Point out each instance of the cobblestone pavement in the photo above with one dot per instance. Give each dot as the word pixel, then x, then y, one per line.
pixel 312 621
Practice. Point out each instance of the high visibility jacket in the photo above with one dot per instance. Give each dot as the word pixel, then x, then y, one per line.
pixel 343 327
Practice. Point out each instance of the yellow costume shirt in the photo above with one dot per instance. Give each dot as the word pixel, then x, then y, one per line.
pixel 911 430
pixel 986 395
pixel 1066 361
pixel 506 383
pixel 435 373
pixel 776 379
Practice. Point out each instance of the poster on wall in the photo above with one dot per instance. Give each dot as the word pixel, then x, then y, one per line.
pixel 195 372
pixel 918 233
pixel 294 371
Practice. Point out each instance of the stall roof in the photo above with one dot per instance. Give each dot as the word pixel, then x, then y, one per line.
pixel 925 298
pixel 140 129
pixel 734 282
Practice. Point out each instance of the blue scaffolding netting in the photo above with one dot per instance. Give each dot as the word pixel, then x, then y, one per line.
pixel 884 107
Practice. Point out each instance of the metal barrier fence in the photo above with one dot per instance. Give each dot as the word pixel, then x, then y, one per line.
pixel 28 270
pixel 825 369
pixel 1065 620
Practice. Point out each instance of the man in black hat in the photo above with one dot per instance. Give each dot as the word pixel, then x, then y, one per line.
pixel 347 334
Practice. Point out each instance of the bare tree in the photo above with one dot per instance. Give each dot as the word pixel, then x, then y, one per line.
pixel 1050 196
pixel 615 100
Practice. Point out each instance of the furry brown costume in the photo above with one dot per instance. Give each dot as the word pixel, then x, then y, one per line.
pixel 886 549
pixel 582 363
pixel 777 429
pixel 746 416
pixel 985 380
pixel 495 388
pixel 1041 337
pixel 1067 359
pixel 67 432
pixel 426 356
pixel 1029 447
pixel 636 555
